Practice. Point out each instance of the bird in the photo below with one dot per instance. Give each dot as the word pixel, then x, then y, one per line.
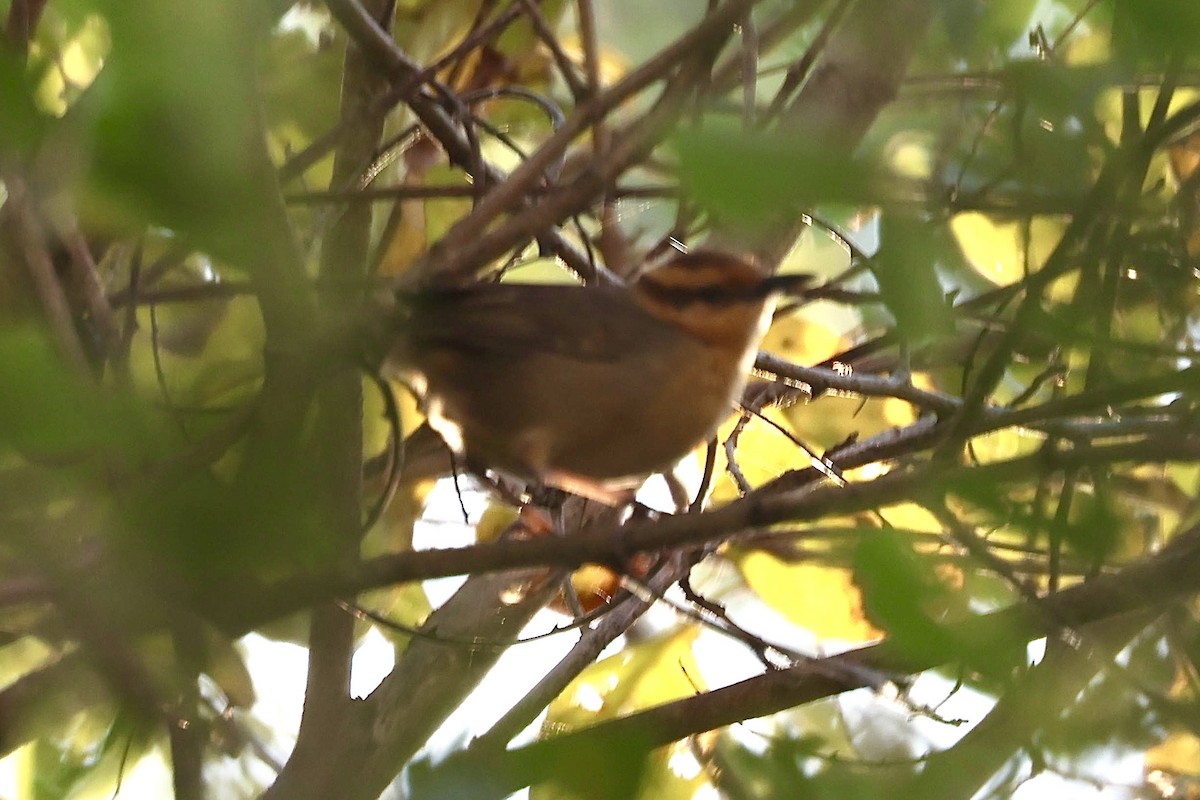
pixel 589 389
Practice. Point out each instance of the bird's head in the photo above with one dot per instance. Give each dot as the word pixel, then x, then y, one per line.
pixel 720 299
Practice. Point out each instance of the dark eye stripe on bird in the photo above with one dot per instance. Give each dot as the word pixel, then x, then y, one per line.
pixel 678 295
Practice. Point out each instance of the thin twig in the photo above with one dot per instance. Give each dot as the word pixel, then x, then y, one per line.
pixel 31 237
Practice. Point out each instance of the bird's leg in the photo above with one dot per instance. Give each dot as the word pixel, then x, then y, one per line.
pixel 589 488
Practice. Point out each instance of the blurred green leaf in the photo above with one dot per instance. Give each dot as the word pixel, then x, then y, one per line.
pixel 784 769
pixel 753 180
pixel 20 121
pixel 1095 528
pixel 105 767
pixel 905 594
pixel 301 84
pixel 984 32
pixel 48 411
pixel 1153 30
pixel 170 128
pixel 615 767
pixel 905 268
pixel 898 587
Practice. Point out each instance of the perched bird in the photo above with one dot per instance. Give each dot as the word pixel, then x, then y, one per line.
pixel 590 389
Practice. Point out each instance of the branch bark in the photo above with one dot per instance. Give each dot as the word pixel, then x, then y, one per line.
pixel 1172 573
pixel 339 436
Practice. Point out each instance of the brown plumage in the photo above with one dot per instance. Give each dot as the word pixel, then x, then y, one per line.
pixel 577 385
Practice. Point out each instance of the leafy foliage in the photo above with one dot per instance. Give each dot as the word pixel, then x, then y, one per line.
pixel 974 441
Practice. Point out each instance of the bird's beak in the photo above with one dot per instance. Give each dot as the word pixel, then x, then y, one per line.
pixel 793 284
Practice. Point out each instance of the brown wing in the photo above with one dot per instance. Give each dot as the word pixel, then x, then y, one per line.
pixel 583 323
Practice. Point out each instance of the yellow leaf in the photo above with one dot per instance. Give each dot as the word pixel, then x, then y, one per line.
pixel 821 599
pixel 763 452
pixel 1006 444
pixel 1179 753
pixel 803 340
pixel 912 517
pixel 1002 252
pixel 376 429
pixel 650 673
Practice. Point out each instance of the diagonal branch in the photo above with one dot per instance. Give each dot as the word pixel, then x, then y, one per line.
pixel 458 254
pixel 1172 573
pixel 339 432
pixel 607 543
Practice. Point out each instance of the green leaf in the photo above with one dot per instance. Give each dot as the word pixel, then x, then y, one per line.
pixel 908 280
pixel 986 29
pixel 20 122
pixel 754 180
pixel 897 587
pixel 46 410
pixel 171 124
pixel 1151 30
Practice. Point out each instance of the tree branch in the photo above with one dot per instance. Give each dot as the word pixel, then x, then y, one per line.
pixel 1172 573
pixel 801 497
pixel 339 436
